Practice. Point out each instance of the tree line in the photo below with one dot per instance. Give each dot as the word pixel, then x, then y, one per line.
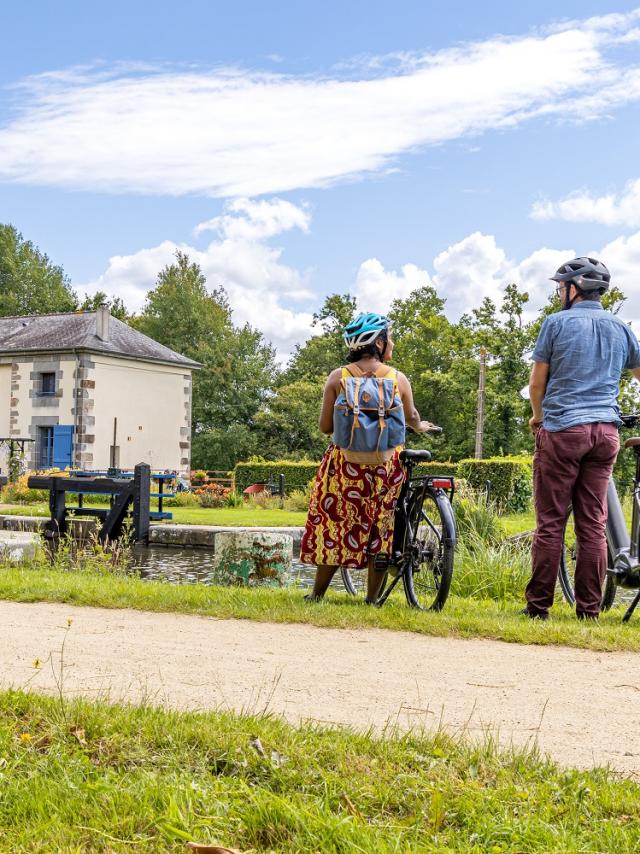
pixel 245 405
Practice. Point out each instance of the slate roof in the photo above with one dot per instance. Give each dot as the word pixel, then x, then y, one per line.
pixel 55 333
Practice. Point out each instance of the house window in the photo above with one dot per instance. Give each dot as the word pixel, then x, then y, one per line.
pixel 45 447
pixel 48 383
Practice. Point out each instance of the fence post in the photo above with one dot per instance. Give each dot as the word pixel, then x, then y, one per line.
pixel 141 502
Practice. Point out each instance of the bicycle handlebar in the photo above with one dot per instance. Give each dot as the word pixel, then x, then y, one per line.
pixel 631 420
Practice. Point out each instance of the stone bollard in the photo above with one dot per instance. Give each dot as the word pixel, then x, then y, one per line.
pixel 254 556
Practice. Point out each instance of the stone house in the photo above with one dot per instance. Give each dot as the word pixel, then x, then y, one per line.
pixel 91 393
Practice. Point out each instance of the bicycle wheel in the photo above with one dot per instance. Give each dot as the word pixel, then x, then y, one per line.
pixel 567 570
pixel 355 581
pixel 429 555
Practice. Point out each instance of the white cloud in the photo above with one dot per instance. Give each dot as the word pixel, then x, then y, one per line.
pixel 583 206
pixel 262 289
pixel 376 288
pixel 239 259
pixel 229 132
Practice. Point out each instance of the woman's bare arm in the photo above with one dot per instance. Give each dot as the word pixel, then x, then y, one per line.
pixel 331 388
pixel 411 414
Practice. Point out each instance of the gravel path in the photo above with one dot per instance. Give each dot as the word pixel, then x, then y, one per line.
pixel 582 707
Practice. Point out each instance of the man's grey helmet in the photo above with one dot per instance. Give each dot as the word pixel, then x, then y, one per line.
pixel 587 274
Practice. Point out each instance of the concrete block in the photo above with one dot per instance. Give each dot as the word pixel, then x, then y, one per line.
pixel 253 556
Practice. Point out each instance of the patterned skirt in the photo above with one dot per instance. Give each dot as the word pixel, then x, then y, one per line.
pixel 351 511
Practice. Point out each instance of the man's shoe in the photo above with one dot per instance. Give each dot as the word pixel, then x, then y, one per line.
pixel 527 613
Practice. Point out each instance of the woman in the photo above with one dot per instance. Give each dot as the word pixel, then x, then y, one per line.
pixel 352 505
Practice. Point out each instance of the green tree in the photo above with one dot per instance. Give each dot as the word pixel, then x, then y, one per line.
pixel 288 422
pixel 115 305
pixel 238 366
pixel 29 282
pixel 321 353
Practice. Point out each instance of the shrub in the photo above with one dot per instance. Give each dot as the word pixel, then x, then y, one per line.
pixel 477 518
pixel 213 495
pixel 199 474
pixel 296 474
pixel 19 493
pixel 298 500
pixel 511 480
pixel 445 468
pixel 182 499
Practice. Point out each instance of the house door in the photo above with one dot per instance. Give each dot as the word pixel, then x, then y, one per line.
pixel 62 446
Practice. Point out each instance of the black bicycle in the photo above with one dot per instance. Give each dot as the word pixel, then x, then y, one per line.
pixel 424 540
pixel 623 548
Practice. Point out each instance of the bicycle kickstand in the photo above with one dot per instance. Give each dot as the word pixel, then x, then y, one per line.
pixel 631 608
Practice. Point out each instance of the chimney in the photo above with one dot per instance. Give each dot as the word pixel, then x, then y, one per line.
pixel 103 316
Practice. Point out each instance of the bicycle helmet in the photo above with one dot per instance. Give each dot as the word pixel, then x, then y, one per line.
pixel 587 274
pixel 364 329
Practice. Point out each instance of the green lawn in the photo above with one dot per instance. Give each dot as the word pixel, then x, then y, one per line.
pixel 462 617
pixel 227 516
pixel 80 777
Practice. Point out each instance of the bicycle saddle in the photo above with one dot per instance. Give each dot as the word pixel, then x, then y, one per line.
pixel 418 456
pixel 632 442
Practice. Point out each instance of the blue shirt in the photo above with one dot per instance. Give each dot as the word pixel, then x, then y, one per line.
pixel 587 348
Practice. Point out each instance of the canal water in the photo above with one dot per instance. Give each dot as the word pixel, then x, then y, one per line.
pixel 194 566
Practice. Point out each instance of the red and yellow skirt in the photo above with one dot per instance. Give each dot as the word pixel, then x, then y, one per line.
pixel 351 511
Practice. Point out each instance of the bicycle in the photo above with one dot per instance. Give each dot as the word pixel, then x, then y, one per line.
pixel 424 540
pixel 623 548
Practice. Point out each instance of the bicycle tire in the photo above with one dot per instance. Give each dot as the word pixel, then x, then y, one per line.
pixel 429 557
pixel 566 575
pixel 357 586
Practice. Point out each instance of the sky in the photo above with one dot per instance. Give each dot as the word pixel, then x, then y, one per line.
pixel 298 149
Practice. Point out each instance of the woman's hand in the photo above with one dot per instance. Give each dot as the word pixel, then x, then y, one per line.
pixel 427 427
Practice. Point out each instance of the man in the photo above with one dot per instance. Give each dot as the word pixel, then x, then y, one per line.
pixel 578 359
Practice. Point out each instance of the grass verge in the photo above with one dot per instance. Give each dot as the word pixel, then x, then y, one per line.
pixel 462 617
pixel 102 778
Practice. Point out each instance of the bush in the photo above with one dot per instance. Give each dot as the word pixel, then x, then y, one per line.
pixel 296 475
pixel 511 480
pixel 445 468
pixel 182 499
pixel 213 495
pixel 477 519
pixel 19 493
pixel 298 500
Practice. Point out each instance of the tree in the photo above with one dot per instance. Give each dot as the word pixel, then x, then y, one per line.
pixel 29 282
pixel 322 353
pixel 115 305
pixel 288 422
pixel 238 365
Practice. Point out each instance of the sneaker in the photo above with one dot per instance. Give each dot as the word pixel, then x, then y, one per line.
pixel 527 613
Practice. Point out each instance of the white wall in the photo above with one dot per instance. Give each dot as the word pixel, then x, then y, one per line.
pixel 149 402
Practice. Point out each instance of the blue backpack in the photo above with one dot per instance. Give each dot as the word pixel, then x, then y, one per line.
pixel 368 416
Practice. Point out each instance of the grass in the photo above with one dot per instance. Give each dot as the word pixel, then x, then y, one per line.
pixel 462 617
pixel 226 516
pixel 105 778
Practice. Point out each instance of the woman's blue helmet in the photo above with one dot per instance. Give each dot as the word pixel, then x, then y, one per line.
pixel 364 329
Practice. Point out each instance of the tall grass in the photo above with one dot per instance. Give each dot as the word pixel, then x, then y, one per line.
pixel 487 566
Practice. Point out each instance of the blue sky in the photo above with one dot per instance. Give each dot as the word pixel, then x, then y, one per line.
pixel 297 149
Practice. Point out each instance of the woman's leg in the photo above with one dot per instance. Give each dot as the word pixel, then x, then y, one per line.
pixel 324 574
pixel 374 580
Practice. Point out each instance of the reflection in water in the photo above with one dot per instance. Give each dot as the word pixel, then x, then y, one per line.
pixel 194 566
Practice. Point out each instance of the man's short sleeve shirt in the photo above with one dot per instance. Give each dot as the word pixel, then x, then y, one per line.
pixel 586 348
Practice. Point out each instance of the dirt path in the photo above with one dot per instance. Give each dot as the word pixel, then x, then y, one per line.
pixel 583 707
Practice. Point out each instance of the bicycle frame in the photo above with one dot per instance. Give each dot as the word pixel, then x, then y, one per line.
pixel 406 519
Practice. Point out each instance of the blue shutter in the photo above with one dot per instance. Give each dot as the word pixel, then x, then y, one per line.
pixel 62 445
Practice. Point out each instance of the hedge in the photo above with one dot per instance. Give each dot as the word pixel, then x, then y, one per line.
pixel 510 476
pixel 296 474
pixel 511 480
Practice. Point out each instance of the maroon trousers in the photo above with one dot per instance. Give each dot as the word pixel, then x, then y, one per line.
pixel 571 467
